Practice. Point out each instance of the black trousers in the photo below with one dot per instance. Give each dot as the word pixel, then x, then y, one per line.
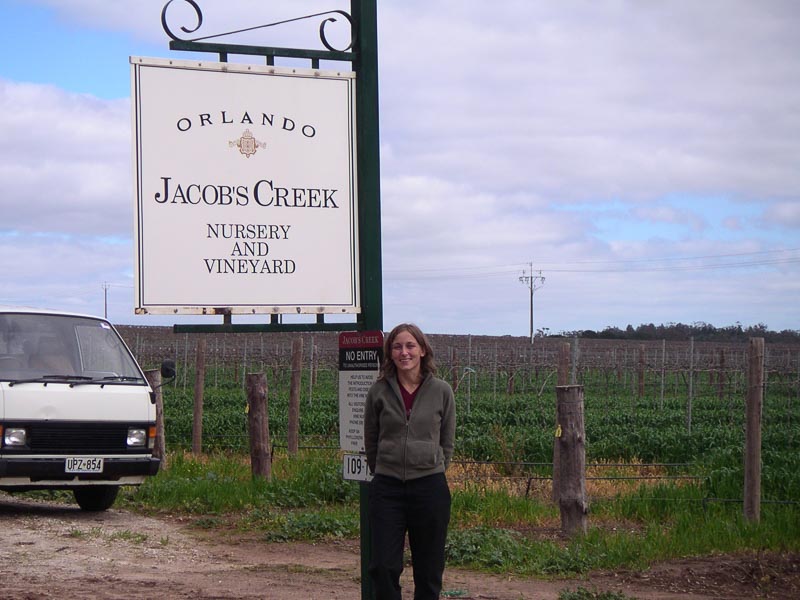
pixel 420 507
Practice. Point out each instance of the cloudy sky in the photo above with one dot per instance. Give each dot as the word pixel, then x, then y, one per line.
pixel 643 157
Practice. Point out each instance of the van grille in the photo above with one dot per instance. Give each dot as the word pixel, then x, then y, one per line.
pixel 68 438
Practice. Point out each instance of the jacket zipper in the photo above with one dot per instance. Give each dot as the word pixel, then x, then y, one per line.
pixel 405 441
pixel 408 424
pixel 405 452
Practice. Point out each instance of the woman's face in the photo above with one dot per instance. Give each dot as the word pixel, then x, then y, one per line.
pixel 407 354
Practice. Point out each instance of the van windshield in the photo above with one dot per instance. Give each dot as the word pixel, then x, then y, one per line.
pixel 47 346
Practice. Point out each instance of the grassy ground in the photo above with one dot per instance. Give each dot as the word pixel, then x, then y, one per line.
pixel 492 529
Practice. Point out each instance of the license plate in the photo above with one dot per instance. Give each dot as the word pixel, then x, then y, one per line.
pixel 82 464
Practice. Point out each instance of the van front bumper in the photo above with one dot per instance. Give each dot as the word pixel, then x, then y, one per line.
pixel 29 470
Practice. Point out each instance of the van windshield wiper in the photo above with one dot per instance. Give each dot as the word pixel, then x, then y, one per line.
pixel 45 379
pixel 108 379
pixel 76 379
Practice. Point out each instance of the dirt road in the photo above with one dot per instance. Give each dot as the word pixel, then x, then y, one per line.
pixel 53 550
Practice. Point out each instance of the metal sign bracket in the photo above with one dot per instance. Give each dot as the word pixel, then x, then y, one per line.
pixel 361 52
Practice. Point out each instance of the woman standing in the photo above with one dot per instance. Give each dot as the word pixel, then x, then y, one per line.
pixel 409 429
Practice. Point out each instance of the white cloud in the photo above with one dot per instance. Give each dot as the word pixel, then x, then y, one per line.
pixel 66 161
pixel 784 214
pixel 600 99
pixel 65 272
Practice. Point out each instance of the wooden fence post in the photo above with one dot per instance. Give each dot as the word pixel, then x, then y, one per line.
pixel 199 381
pixel 573 375
pixel 690 400
pixel 244 361
pixel 469 374
pixel 563 363
pixel 312 370
pixel 642 362
pixel 160 448
pixel 510 381
pixel 562 379
pixel 572 460
pixel 752 454
pixel 455 378
pixel 663 372
pixel 258 425
pixel 293 427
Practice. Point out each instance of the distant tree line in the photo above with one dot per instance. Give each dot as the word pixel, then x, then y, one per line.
pixel 701 332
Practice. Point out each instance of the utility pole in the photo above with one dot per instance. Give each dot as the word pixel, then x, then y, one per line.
pixel 106 285
pixel 534 282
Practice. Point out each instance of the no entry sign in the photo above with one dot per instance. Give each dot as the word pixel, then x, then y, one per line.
pixel 360 357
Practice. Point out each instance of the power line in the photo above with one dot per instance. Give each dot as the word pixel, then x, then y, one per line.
pixel 504 270
pixel 675 258
pixel 737 265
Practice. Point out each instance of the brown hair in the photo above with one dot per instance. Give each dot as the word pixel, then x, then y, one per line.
pixel 427 364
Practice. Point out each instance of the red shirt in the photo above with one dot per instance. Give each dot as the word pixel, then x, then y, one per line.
pixel 408 398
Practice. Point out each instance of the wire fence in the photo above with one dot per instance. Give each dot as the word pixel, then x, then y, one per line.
pixel 507 364
pixel 657 406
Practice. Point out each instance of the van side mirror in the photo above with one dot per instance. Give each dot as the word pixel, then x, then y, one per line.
pixel 168 372
pixel 168 369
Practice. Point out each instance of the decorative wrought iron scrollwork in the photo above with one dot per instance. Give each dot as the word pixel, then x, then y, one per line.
pixel 199 18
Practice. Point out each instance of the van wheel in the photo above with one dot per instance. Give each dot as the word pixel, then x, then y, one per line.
pixel 96 497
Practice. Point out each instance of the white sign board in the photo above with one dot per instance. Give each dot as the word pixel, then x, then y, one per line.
pixel 360 356
pixel 245 188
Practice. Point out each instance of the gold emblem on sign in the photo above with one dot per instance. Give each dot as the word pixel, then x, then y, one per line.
pixel 247 144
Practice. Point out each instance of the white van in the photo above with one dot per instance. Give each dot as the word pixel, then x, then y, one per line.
pixel 76 411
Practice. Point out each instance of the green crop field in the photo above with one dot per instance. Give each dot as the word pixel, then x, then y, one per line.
pixel 516 429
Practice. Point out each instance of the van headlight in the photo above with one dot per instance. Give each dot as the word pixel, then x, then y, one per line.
pixel 15 437
pixel 137 437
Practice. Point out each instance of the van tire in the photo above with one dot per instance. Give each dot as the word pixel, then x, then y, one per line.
pixel 96 497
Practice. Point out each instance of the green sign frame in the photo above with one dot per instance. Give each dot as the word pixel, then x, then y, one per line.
pixel 362 53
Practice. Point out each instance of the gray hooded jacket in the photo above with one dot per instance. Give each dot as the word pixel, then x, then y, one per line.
pixel 415 447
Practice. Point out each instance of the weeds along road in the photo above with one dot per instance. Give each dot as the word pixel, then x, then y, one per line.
pixel 54 550
pixel 58 551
